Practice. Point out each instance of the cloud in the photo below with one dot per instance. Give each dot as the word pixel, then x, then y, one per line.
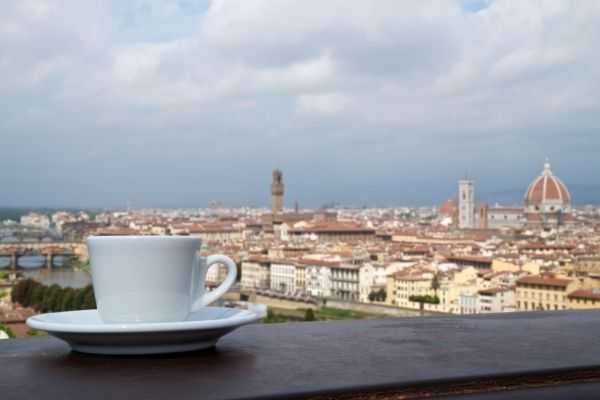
pixel 440 86
pixel 323 103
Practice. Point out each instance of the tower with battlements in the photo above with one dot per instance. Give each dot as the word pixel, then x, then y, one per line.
pixel 277 192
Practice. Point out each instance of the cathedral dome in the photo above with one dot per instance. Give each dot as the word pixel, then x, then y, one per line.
pixel 547 193
pixel 449 208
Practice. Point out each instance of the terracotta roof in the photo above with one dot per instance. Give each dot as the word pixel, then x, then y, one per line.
pixel 334 228
pixel 283 261
pixel 467 258
pixel 410 277
pixel 417 251
pixel 116 231
pixel 544 281
pixel 320 263
pixel 585 294
pixel 212 228
pixel 492 291
pixel 257 259
pixel 449 208
pixel 543 246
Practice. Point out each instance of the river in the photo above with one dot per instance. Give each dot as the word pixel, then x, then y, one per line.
pixel 34 267
pixel 63 277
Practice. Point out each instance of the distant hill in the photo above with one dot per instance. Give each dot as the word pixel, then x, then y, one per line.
pixel 13 213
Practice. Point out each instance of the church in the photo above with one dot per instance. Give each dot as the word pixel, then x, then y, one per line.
pixel 546 204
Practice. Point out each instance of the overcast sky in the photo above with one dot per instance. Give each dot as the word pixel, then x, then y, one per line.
pixel 177 103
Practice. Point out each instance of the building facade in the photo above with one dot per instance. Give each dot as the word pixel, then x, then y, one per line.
pixel 504 217
pixel 404 284
pixel 345 282
pixel 584 299
pixel 318 281
pixel 538 292
pixel 496 300
pixel 371 277
pixel 283 276
pixel 255 273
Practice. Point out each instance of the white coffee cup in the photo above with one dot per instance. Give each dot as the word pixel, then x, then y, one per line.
pixel 152 278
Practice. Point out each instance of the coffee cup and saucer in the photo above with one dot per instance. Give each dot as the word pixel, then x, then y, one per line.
pixel 151 298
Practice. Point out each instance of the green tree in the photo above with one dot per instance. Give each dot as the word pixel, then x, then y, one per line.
pixel 309 315
pixel 424 299
pixel 78 299
pixel 89 301
pixel 28 292
pixel 67 300
pixel 7 330
pixel 372 296
pixel 273 318
pixel 51 297
pixel 435 283
pixel 16 294
pixel 37 297
pixel 21 292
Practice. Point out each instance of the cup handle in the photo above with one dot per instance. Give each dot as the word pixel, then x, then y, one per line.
pixel 209 297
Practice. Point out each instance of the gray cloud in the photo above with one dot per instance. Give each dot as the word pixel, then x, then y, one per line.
pixel 179 103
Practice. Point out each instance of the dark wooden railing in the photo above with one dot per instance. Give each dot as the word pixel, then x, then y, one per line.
pixel 504 356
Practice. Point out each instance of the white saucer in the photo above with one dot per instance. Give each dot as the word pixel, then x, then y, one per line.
pixel 85 332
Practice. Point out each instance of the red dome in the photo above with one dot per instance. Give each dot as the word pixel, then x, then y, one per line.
pixel 547 189
pixel 449 208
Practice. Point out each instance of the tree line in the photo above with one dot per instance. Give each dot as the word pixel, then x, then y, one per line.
pixel 43 298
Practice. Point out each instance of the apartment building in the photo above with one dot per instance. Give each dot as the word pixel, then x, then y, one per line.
pixel 496 300
pixel 283 276
pixel 584 299
pixel 371 277
pixel 318 281
pixel 345 282
pixel 541 292
pixel 255 273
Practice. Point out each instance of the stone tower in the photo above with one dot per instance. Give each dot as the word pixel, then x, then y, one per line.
pixel 277 192
pixel 466 204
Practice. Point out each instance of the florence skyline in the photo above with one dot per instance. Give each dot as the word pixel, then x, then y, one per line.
pixel 176 104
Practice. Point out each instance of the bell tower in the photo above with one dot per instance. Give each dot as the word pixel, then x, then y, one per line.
pixel 466 204
pixel 277 192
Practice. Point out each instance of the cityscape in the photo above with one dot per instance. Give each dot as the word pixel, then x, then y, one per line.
pixel 461 257
pixel 323 200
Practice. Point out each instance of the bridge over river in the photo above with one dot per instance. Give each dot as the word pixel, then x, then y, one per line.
pixel 47 250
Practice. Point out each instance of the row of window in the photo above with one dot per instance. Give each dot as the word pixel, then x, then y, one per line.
pixel 585 301
pixel 345 286
pixel 539 306
pixel 525 294
pixel 353 276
